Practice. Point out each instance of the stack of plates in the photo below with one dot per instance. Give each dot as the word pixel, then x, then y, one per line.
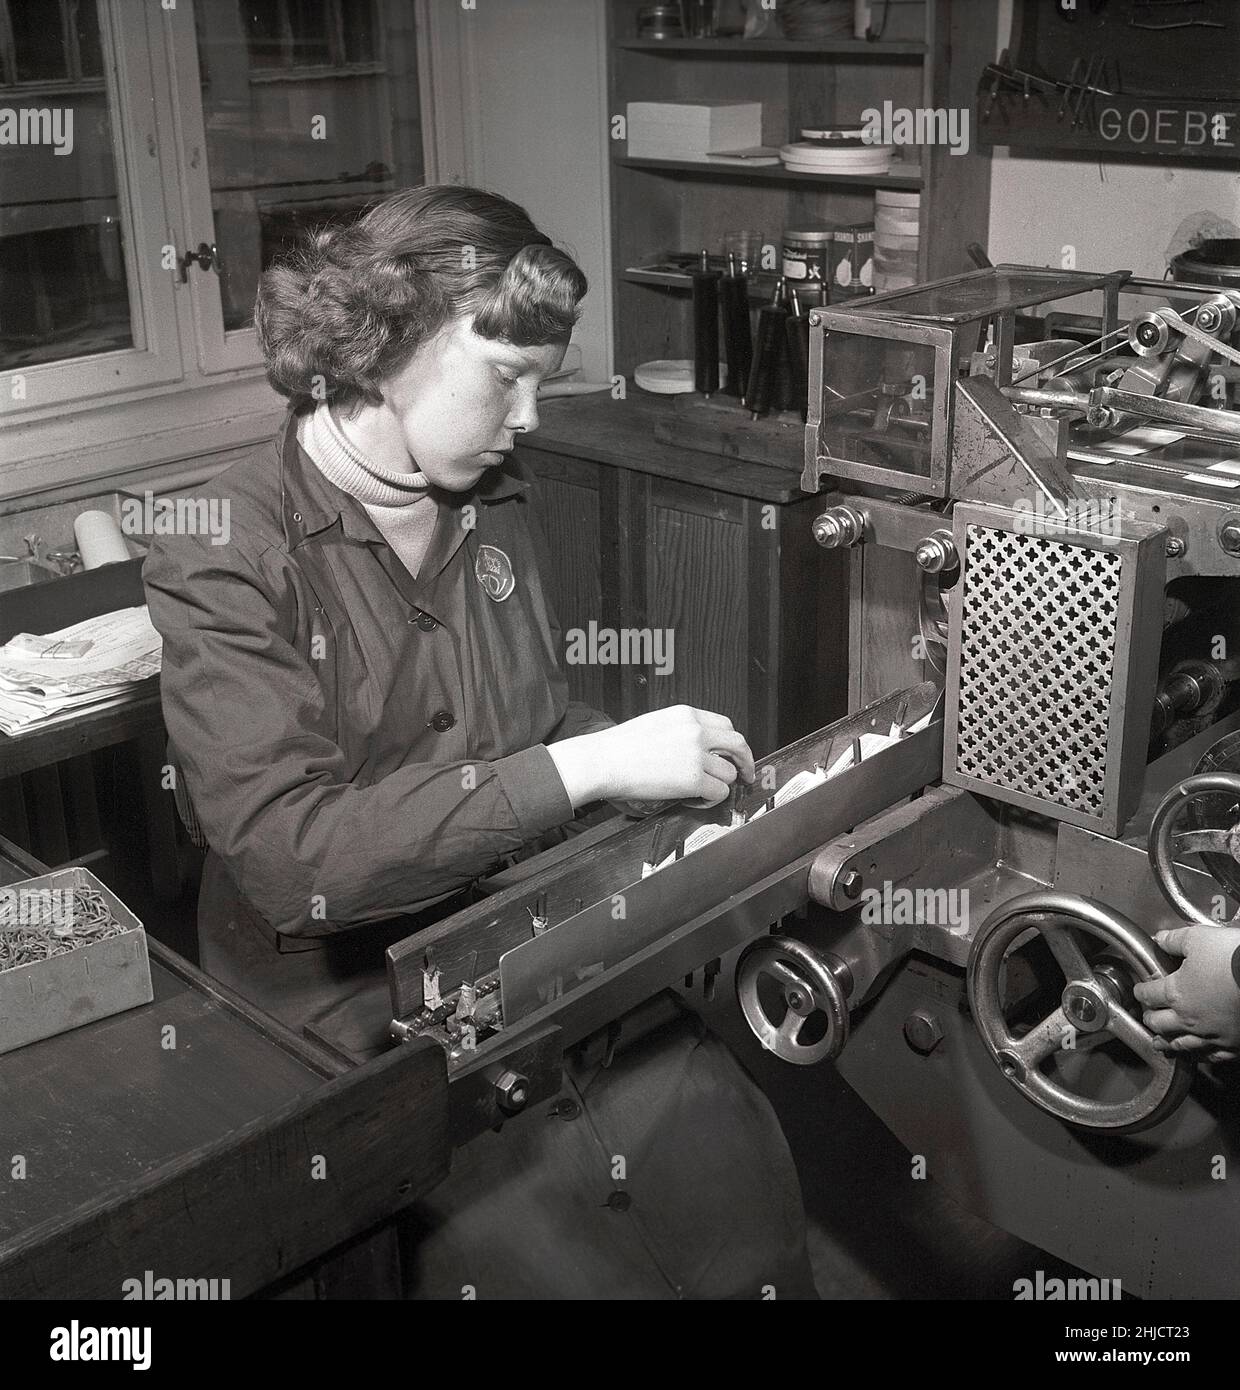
pixel 836 151
pixel 897 233
pixel 671 376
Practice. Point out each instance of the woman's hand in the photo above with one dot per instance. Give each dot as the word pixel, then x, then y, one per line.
pixel 674 753
pixel 1198 1005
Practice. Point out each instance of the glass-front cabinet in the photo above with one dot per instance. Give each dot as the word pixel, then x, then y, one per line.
pixel 156 156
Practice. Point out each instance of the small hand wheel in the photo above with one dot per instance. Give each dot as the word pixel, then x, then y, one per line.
pixel 813 987
pixel 1094 1007
pixel 1192 798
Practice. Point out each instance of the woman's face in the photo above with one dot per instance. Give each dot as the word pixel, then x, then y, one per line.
pixel 462 399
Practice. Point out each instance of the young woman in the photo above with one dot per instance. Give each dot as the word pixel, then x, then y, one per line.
pixel 363 693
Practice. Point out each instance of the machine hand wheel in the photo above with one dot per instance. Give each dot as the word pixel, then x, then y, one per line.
pixel 1206 796
pixel 1095 1007
pixel 813 987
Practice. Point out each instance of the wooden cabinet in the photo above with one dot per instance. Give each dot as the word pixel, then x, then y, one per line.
pixel 929 57
pixel 711 557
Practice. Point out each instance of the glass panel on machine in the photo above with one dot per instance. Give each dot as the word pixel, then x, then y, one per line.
pixel 987 292
pixel 877 401
pixel 311 113
pixel 63 288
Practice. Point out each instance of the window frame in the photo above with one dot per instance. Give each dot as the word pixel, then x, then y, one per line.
pixel 135 412
pixel 140 197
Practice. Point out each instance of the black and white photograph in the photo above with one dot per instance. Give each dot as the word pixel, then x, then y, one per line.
pixel 619 672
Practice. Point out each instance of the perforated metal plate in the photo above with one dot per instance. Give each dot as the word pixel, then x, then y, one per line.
pixel 1045 688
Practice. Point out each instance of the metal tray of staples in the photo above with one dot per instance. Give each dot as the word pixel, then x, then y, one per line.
pixel 47 997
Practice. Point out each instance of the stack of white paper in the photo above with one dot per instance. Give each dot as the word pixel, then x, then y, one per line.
pixel 45 680
pixel 867 745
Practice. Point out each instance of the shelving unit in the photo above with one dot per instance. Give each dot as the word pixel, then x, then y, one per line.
pixel 769 171
pixel 782 48
pixel 665 205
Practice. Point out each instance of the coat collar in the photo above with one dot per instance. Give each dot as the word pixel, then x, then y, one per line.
pixel 310 504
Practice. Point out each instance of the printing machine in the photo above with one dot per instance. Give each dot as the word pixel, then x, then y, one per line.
pixel 956 902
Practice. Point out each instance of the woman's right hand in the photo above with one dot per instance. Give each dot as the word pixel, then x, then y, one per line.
pixel 679 753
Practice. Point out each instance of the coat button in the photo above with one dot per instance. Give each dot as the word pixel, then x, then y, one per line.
pixel 442 721
pixel 426 622
pixel 619 1201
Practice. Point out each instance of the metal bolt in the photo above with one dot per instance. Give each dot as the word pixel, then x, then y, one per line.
pixel 1229 538
pixel 839 526
pixel 511 1092
pixel 828 531
pixel 1012 1067
pixel 935 553
pixel 1175 546
pixel 1082 1010
pixel 850 884
pixel 815 320
pixel 922 1031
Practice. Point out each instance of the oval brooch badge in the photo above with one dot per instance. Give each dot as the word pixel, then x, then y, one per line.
pixel 493 570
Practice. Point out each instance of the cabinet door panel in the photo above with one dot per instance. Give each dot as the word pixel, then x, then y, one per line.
pixel 572 497
pixel 696 582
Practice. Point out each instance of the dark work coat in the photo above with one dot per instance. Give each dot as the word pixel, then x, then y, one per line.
pixel 358 742
pixel 360 746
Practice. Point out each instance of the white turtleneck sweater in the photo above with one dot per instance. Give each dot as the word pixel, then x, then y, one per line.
pixel 400 504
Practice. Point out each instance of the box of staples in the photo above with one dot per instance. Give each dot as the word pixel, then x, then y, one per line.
pixel 70 953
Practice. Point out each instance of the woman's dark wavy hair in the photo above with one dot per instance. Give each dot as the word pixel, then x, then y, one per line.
pixel 354 303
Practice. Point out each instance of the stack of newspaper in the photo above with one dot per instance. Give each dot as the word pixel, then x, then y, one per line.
pixel 81 669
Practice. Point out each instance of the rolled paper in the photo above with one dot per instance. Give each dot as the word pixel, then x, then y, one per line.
pixel 769 350
pixel 99 540
pixel 734 296
pixel 706 328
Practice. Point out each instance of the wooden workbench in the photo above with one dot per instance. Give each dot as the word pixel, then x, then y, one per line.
pixel 181 1138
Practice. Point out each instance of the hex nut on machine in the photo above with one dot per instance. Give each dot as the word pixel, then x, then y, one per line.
pixel 922 1031
pixel 850 884
pixel 511 1092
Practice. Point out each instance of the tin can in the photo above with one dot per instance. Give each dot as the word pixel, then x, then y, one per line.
pixel 807 261
pixel 659 22
pixel 851 268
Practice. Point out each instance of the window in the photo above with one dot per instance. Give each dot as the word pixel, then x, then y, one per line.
pixel 310 33
pixel 153 162
pixel 310 114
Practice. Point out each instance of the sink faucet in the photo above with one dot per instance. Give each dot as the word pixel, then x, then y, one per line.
pixel 57 562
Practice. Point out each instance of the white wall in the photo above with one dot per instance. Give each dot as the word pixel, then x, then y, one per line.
pixel 1117 216
pixel 519 96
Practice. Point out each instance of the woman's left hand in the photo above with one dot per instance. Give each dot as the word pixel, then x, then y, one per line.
pixel 1198 1005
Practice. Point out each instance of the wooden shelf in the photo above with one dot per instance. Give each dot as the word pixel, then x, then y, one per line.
pixel 760 285
pixel 930 57
pixel 780 48
pixel 768 172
